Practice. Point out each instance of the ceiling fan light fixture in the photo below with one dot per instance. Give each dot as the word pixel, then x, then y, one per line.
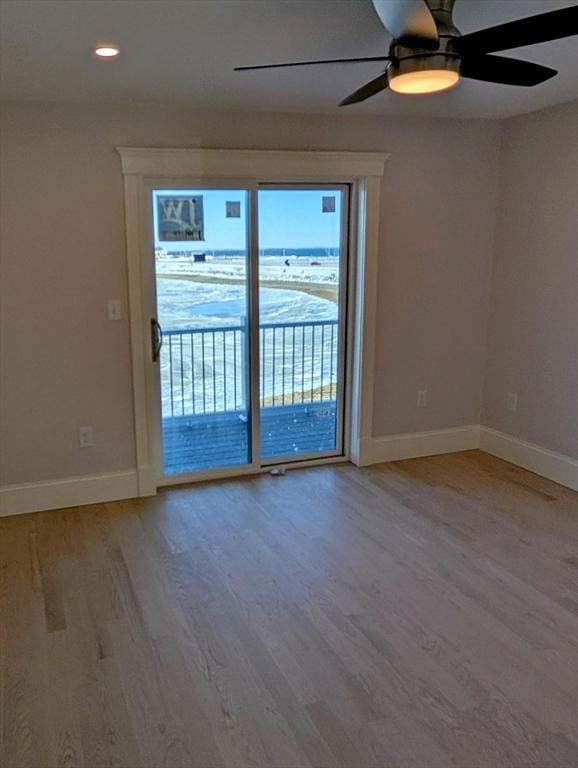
pixel 428 53
pixel 424 81
pixel 418 75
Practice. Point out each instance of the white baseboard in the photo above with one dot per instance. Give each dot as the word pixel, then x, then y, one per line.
pixel 93 489
pixel 412 445
pixel 72 492
pixel 554 466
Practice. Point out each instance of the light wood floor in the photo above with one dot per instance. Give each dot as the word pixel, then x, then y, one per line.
pixel 419 614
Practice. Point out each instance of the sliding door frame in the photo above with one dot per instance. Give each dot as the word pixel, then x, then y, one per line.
pixel 144 169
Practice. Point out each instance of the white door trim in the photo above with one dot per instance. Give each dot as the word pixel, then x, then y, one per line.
pixel 363 170
pixel 256 164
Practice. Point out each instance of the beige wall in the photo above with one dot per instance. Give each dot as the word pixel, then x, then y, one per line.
pixel 64 365
pixel 533 330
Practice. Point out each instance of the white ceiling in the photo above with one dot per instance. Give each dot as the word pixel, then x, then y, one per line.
pixel 182 52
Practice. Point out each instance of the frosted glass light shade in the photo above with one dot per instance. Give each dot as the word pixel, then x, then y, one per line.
pixel 424 81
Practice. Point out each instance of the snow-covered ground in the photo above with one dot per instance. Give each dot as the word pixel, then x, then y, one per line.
pixel 185 304
pixel 301 269
pixel 298 360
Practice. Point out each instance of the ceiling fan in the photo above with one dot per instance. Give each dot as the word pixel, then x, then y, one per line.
pixel 429 54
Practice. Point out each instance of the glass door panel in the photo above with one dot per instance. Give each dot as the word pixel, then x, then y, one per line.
pixel 302 256
pixel 202 294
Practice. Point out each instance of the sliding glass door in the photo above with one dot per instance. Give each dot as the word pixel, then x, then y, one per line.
pixel 202 297
pixel 248 337
pixel 302 277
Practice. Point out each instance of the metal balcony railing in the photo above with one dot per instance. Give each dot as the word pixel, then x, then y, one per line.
pixel 204 370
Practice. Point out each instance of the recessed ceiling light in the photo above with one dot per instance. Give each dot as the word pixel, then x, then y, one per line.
pixel 107 51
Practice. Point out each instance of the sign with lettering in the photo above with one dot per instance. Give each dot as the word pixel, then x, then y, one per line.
pixel 180 218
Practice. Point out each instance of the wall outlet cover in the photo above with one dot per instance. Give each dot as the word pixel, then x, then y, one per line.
pixel 85 437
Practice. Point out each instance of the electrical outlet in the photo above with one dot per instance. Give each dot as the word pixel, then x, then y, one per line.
pixel 512 402
pixel 85 437
pixel 114 309
pixel 422 398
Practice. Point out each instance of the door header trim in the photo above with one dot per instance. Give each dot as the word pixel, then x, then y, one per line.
pixel 259 164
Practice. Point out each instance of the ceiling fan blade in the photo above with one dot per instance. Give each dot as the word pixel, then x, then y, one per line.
pixel 497 69
pixel 309 63
pixel 534 29
pixel 409 21
pixel 369 89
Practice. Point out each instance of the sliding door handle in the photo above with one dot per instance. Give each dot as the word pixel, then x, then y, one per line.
pixel 156 339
